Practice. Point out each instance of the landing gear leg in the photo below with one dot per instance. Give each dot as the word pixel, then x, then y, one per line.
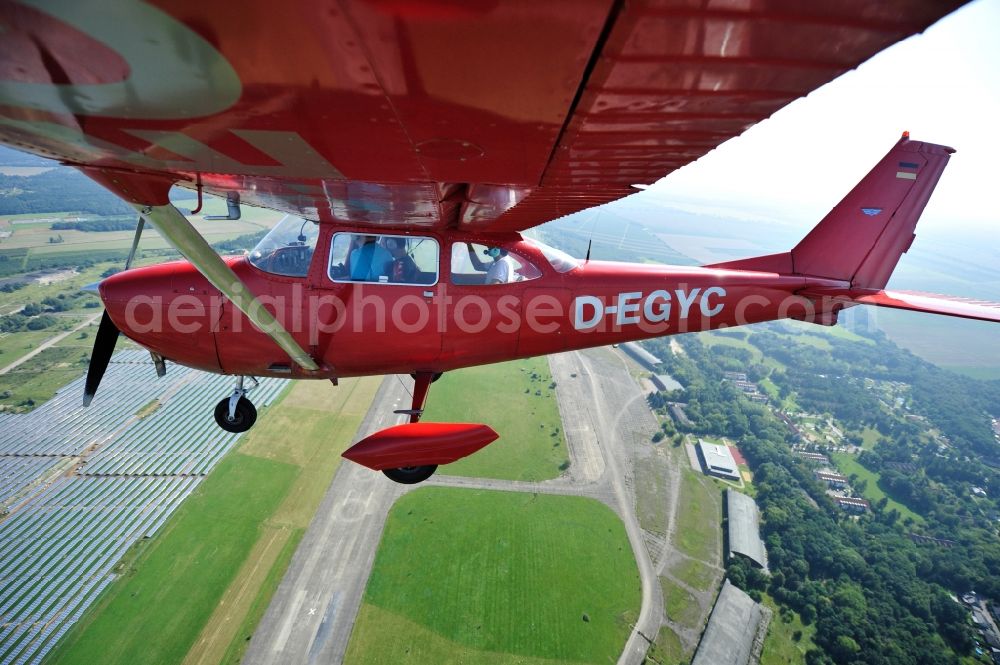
pixel 236 413
pixel 410 475
pixel 421 386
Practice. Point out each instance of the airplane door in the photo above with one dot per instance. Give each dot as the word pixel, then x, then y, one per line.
pixel 383 291
pixel 484 313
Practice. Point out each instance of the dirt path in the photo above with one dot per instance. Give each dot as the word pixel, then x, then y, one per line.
pixel 49 343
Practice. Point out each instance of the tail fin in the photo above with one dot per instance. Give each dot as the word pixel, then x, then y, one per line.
pixel 861 239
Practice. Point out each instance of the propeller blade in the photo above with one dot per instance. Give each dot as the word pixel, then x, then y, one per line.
pixel 104 346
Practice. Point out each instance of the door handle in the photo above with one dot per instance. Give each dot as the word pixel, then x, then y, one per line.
pixel 428 294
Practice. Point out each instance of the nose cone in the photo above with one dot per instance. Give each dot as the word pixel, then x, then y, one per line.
pixel 168 308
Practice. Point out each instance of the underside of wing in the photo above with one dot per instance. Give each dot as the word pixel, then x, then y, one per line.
pixel 443 114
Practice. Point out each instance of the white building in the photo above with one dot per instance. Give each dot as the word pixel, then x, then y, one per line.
pixel 717 460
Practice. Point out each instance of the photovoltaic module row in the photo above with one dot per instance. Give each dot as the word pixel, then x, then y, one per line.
pixel 130 459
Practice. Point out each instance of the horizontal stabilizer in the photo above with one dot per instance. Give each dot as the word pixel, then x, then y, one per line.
pixel 930 303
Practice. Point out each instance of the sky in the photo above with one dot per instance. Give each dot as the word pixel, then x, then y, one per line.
pixel 943 86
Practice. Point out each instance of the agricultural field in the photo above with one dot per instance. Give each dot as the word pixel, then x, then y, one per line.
pixel 197 590
pixel 517 399
pixel 967 347
pixel 532 578
pixel 40 238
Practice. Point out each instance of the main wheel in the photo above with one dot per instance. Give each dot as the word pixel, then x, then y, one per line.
pixel 410 475
pixel 243 418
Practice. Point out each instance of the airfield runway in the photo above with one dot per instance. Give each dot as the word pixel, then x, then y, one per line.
pixel 606 421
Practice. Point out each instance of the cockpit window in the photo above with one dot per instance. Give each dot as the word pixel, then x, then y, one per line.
pixel 472 263
pixel 558 259
pixel 388 259
pixel 288 248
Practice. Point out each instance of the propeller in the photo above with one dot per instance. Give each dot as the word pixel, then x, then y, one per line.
pixel 107 336
pixel 104 347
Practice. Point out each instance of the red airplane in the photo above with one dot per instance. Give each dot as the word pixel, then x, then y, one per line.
pixel 410 144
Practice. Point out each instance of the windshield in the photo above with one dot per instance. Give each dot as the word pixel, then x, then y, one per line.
pixel 288 248
pixel 558 259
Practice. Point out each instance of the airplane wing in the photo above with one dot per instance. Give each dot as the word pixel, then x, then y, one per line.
pixel 477 114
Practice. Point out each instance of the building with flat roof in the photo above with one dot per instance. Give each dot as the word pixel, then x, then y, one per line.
pixel 743 529
pixel 641 355
pixel 717 460
pixel 852 504
pixel 832 479
pixel 735 631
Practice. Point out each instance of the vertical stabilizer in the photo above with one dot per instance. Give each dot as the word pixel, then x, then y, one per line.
pixel 862 238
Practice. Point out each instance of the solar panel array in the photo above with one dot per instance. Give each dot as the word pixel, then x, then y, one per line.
pixel 78 487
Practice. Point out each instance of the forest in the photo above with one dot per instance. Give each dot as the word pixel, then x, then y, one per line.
pixel 874 595
pixel 59 190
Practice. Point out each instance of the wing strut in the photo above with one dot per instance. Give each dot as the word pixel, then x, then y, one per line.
pixel 179 232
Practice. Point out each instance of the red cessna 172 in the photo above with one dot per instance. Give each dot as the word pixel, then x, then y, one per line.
pixel 410 143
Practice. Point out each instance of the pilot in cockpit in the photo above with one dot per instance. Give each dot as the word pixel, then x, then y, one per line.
pixel 370 261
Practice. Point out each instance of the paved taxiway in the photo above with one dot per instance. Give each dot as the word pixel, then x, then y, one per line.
pixel 605 419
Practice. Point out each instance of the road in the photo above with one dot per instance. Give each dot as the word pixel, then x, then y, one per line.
pixel 49 342
pixel 605 419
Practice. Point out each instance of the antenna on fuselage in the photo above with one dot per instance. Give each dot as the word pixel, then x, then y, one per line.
pixel 590 242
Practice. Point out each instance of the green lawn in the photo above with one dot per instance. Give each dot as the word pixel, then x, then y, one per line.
pixel 695 574
pixel 849 465
pixel 515 399
pixel 465 576
pixel 154 613
pixel 700 508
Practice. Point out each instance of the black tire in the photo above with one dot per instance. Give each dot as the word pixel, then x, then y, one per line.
pixel 410 475
pixel 243 419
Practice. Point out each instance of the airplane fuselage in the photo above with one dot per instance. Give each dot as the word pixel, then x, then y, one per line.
pixel 355 328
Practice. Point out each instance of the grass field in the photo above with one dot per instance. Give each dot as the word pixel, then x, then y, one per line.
pixel 695 574
pixel 39 378
pixel 667 649
pixel 515 399
pixel 700 504
pixel 781 646
pixel 869 438
pixel 849 465
pixel 155 611
pixel 324 420
pixel 681 606
pixel 197 590
pixel 528 577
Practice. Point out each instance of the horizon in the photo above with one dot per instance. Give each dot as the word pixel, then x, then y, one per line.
pixel 794 167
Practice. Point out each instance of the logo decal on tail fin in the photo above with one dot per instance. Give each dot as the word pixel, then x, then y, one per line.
pixel 871 212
